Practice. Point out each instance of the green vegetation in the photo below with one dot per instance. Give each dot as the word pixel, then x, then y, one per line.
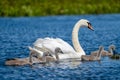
pixel 57 7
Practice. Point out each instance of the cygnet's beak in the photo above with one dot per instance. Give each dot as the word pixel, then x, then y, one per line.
pixel 90 27
pixel 61 51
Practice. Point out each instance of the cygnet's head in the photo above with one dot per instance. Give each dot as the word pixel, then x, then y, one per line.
pixel 112 47
pixel 58 50
pixel 47 53
pixel 86 23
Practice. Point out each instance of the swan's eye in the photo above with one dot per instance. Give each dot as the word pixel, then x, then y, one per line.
pixel 90 26
pixel 89 23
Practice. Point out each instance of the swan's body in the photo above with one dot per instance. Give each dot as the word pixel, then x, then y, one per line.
pixel 67 49
pixel 104 52
pixel 51 44
pixel 92 57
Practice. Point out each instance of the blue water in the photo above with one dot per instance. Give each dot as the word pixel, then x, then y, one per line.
pixel 18 33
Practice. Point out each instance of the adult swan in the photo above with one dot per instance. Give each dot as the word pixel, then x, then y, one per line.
pixel 40 45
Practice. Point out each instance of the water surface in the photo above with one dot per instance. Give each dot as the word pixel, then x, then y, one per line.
pixel 18 33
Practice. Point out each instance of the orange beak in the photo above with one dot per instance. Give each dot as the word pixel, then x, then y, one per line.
pixel 90 27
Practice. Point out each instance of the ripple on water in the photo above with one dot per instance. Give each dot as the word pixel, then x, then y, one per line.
pixel 17 33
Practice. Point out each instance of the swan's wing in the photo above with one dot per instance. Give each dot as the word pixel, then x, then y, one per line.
pixel 52 43
pixel 46 43
pixel 36 51
pixel 39 42
pixel 67 48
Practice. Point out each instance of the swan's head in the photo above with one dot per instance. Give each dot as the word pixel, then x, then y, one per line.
pixel 86 23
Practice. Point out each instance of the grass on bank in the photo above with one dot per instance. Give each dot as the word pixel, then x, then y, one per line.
pixel 57 7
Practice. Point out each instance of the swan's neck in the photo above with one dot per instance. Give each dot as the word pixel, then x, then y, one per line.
pixel 75 39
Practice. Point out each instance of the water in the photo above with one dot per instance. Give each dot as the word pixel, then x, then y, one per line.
pixel 18 33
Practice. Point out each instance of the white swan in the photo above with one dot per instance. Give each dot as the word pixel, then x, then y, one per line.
pixel 51 43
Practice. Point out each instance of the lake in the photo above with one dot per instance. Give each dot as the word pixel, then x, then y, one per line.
pixel 19 32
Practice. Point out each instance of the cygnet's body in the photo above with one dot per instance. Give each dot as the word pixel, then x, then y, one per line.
pixel 20 61
pixel 104 52
pixel 92 57
pixel 47 56
pixel 115 54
